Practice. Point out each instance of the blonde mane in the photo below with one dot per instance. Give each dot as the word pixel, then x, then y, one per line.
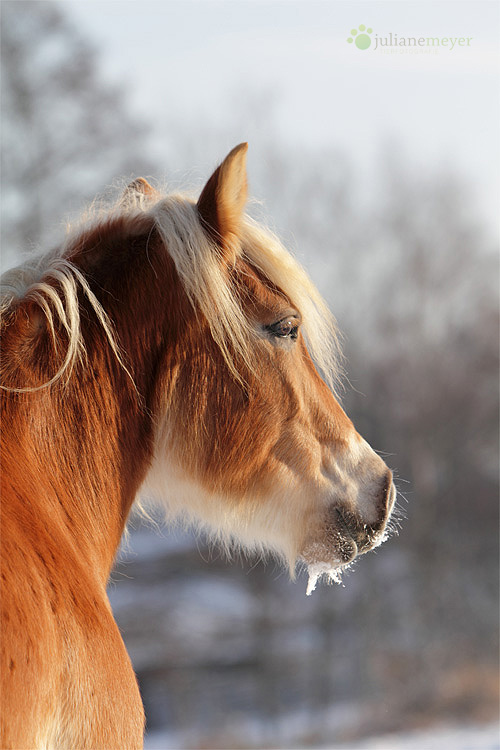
pixel 35 282
pixel 53 281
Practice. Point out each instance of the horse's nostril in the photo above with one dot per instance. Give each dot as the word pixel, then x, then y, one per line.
pixel 387 496
pixel 391 496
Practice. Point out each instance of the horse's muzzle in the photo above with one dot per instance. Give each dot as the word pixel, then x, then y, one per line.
pixel 355 535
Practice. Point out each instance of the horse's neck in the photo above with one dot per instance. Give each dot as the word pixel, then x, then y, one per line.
pixel 78 454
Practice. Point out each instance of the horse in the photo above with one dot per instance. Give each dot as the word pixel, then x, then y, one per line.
pixel 174 346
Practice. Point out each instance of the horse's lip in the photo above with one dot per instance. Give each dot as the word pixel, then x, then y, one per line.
pixel 349 552
pixel 342 524
pixel 363 536
pixel 339 545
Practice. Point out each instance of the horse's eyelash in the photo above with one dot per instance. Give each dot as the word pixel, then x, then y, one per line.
pixel 273 329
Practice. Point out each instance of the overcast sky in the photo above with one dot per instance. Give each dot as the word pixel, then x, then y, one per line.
pixel 187 59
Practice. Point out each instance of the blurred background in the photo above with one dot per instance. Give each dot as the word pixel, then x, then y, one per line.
pixel 379 168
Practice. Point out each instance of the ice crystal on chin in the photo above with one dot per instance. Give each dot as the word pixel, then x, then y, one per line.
pixel 318 570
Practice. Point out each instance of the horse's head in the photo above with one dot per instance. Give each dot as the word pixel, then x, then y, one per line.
pixel 250 439
pixel 203 363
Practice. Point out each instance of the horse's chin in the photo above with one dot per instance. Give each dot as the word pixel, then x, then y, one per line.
pixel 325 571
pixel 341 538
pixel 327 563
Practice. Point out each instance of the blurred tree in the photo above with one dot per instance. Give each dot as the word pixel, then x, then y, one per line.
pixel 426 357
pixel 65 133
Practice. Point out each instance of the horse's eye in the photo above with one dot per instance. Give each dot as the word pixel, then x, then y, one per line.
pixel 284 329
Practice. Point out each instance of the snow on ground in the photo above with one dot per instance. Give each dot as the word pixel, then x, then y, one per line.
pixel 443 738
pixel 483 737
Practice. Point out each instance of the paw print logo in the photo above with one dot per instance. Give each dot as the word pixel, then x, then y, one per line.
pixel 361 40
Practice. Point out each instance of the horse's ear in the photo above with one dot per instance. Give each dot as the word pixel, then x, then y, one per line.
pixel 138 191
pixel 222 201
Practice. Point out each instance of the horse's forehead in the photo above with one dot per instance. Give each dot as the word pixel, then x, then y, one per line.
pixel 258 290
